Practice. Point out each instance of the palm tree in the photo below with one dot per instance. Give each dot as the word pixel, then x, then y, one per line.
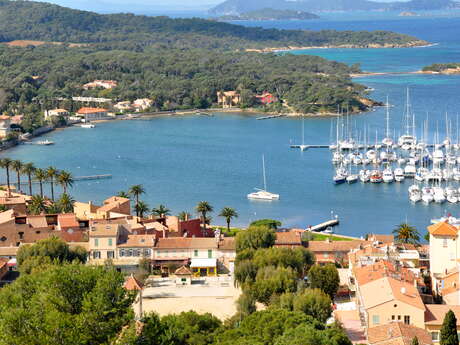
pixel 204 208
pixel 184 216
pixel 38 205
pixel 123 194
pixel 228 213
pixel 40 175
pixel 29 169
pixel 406 233
pixel 161 211
pixel 141 209
pixel 65 179
pixel 17 166
pixel 136 191
pixel 52 173
pixel 5 163
pixel 66 203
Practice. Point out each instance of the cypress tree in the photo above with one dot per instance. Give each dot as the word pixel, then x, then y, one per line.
pixel 449 329
pixel 414 341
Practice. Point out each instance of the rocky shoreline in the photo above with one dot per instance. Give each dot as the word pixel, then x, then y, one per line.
pixel 412 44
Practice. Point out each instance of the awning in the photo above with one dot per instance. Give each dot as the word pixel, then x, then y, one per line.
pixel 12 262
pixel 203 263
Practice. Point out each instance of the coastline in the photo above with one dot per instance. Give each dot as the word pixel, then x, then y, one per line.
pixel 412 44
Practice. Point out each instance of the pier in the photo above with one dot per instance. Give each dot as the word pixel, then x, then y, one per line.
pixel 270 117
pixel 78 178
pixel 324 225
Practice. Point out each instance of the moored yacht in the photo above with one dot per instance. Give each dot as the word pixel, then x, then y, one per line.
pixel 263 194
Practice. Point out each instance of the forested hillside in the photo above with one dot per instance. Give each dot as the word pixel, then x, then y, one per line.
pixel 27 20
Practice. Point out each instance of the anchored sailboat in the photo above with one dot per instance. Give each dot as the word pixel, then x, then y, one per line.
pixel 263 194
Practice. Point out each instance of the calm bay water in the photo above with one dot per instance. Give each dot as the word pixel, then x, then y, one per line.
pixel 183 160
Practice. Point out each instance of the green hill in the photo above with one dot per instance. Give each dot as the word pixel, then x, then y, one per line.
pixel 272 14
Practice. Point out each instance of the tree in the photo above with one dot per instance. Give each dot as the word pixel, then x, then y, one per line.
pixel 299 259
pixel 449 334
pixel 406 233
pixel 269 223
pixel 161 211
pixel 28 170
pixel 313 302
pixel 66 203
pixel 5 163
pixel 40 175
pixel 17 166
pixel 136 191
pixel 307 334
pixel 38 205
pixel 184 216
pixel 228 213
pixel 52 173
pixel 64 305
pixel 123 194
pixel 65 180
pixel 141 209
pixel 272 281
pixel 204 208
pixel 415 341
pixel 255 238
pixel 325 278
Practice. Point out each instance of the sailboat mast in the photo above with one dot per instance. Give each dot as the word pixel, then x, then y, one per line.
pixel 388 119
pixel 265 177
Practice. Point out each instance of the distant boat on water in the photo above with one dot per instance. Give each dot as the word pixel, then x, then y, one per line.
pixel 87 125
pixel 263 194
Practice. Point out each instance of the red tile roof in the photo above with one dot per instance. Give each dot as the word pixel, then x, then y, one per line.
pixel 442 229
pixel 132 284
pixel 87 110
pixel 435 313
pixel 288 238
pixel 386 333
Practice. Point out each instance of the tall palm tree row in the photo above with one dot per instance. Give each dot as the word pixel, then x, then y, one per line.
pixel 204 208
pixel 29 169
pixel 52 174
pixel 65 179
pixel 228 213
pixel 17 166
pixel 136 191
pixel 41 176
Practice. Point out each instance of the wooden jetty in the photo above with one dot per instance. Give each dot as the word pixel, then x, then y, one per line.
pixel 325 225
pixel 270 117
pixel 78 178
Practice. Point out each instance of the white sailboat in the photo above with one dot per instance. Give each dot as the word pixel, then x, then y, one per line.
pixel 303 147
pixel 387 141
pixel 263 194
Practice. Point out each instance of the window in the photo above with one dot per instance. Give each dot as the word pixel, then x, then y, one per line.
pixel 130 252
pixel 96 242
pixel 110 242
pixel 147 252
pixel 407 319
pixel 399 317
pixel 122 253
pixel 444 243
pixel 376 319
pixel 211 270
pixel 195 252
pixel 110 254
pixel 96 255
pixel 393 317
pixel 210 254
pixel 435 336
pixel 136 252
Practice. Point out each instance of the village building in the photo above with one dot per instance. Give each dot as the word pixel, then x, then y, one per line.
pixel 104 84
pixel 142 104
pixel 5 126
pixel 14 201
pixel 434 317
pixel 289 239
pixel 134 249
pixel 111 206
pixel 228 99
pixel 331 252
pixel 103 241
pixel 123 106
pixel 56 113
pixel 266 98
pixel 397 333
pixel 91 114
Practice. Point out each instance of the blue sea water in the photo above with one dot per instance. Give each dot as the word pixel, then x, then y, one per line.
pixel 183 160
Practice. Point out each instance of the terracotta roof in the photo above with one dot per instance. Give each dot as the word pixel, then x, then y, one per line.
pixel 442 229
pixel 86 110
pixel 147 241
pixel 71 235
pixel 8 251
pixel 334 246
pixel 190 243
pixel 183 271
pixel 104 230
pixel 133 284
pixel 390 289
pixel 37 221
pixel 6 216
pixel 380 269
pixel 227 243
pixel 68 220
pixel 288 238
pixel 382 238
pixel 435 313
pixel 397 331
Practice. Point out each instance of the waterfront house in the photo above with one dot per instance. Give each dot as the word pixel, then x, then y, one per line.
pixel 397 333
pixel 104 84
pixel 5 126
pixel 123 106
pixel 266 98
pixel 186 228
pixel 91 114
pixel 133 249
pixel 228 99
pixel 434 317
pixel 142 104
pixel 56 113
pixel 396 301
pixel 289 239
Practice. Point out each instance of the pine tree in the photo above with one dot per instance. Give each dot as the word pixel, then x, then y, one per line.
pixel 449 330
pixel 415 341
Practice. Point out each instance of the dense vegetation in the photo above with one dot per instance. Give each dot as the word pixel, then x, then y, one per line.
pixel 440 67
pixel 27 20
pixel 271 14
pixel 173 79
